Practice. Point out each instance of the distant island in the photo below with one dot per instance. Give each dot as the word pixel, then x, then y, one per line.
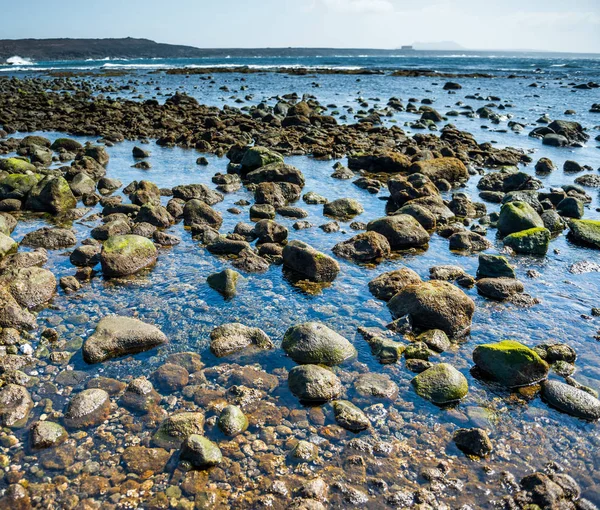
pixel 131 48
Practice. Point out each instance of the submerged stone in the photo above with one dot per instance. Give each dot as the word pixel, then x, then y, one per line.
pixel 232 421
pixel 87 409
pixel 234 337
pixel 178 427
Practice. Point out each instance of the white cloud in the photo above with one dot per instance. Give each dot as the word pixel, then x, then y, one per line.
pixel 356 6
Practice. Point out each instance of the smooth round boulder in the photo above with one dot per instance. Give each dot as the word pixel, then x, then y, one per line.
pixel 434 305
pixel 87 409
pixel 571 400
pixel 441 384
pixel 117 336
pixel 232 421
pixel 125 255
pixel 315 343
pixel 312 383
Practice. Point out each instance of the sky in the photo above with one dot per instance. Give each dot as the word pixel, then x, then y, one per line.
pixel 553 25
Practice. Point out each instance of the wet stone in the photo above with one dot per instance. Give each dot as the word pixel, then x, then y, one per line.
pixel 87 409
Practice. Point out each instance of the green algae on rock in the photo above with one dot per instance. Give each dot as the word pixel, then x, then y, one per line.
pixel 518 216
pixel 533 241
pixel 585 232
pixel 510 363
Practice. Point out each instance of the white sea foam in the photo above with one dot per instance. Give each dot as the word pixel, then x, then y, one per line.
pixel 18 61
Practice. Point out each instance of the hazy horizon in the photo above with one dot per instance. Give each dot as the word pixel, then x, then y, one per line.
pixel 540 25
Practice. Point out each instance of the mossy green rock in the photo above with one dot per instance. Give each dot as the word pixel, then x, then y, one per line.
pixel 177 428
pixel 232 421
pixel 586 232
pixel 510 363
pixel 533 241
pixel 17 185
pixel 494 266
pixel 315 343
pixel 8 246
pixel 16 166
pixel 51 194
pixel 518 216
pixel 126 255
pixel 441 384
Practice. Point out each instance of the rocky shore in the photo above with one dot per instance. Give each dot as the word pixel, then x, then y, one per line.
pixel 112 413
